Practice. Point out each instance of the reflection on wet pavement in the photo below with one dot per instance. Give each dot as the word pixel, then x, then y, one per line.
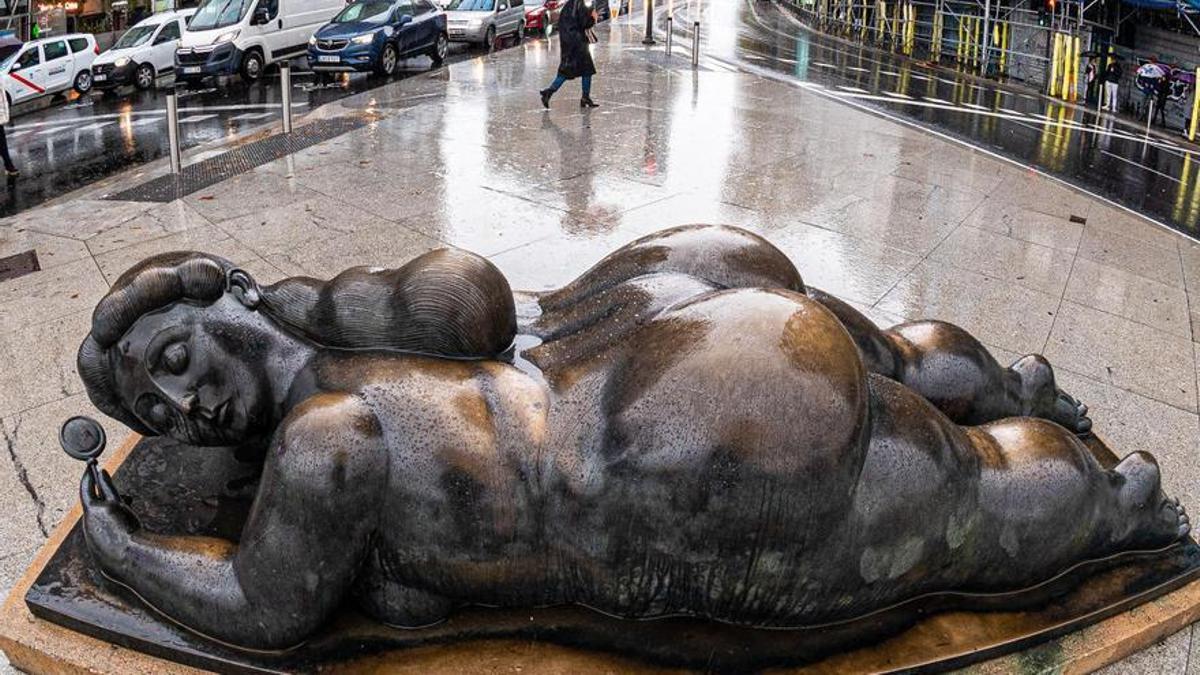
pixel 1112 157
pixel 61 146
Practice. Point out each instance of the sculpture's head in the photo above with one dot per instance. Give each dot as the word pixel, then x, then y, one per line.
pixel 181 344
pixel 178 347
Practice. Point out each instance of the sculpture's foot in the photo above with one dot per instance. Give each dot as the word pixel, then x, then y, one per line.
pixel 1153 519
pixel 1044 399
pixel 1071 413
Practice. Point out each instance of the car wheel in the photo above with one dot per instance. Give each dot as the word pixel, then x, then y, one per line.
pixel 520 31
pixel 387 60
pixel 489 38
pixel 144 77
pixel 252 67
pixel 440 48
pixel 83 81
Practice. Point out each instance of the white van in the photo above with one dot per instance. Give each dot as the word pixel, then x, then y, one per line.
pixel 243 36
pixel 49 65
pixel 144 52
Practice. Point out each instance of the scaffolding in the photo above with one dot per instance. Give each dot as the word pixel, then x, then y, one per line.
pixel 1041 45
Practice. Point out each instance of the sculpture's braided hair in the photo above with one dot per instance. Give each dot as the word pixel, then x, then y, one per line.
pixel 446 303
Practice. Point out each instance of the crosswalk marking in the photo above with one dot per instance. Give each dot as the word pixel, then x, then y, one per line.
pixel 196 118
pixel 252 116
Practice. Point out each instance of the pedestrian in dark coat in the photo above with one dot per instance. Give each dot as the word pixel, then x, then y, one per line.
pixel 575 20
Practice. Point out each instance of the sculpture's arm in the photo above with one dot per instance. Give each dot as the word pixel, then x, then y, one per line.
pixel 310 526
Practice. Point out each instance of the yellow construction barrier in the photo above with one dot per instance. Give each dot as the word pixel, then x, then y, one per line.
pixel 958 52
pixel 1195 107
pixel 935 41
pixel 1056 56
pixel 1003 67
pixel 975 42
pixel 1076 56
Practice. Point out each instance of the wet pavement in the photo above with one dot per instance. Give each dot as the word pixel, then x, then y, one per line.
pixel 901 222
pixel 70 142
pixel 1155 174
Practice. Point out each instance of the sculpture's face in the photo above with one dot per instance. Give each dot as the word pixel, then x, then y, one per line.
pixel 197 373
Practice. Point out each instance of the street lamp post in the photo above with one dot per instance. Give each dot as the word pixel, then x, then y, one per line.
pixel 649 39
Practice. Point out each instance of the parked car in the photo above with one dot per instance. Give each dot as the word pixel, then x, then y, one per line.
pixel 48 66
pixel 145 52
pixel 376 34
pixel 482 21
pixel 541 15
pixel 226 37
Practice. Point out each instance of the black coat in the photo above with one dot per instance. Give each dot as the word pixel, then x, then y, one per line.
pixel 576 60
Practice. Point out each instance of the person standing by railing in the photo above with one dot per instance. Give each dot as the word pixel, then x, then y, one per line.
pixel 1112 82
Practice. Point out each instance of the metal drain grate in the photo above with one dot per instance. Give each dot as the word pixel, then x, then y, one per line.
pixel 211 171
pixel 19 265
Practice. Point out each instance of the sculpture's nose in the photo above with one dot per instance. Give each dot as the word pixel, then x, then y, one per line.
pixel 188 403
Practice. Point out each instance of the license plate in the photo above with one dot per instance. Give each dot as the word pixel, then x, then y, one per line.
pixel 458 32
pixel 98 77
pixel 325 58
pixel 191 70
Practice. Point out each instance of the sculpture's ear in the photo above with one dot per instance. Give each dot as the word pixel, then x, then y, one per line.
pixel 244 287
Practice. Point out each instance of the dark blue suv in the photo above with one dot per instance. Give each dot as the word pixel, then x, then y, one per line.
pixel 376 34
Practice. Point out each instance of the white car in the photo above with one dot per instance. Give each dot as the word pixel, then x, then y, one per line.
pixel 145 52
pixel 227 37
pixel 48 66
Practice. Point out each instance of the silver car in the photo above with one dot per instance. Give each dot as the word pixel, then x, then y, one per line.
pixel 482 21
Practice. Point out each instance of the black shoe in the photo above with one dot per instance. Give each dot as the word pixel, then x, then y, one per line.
pixel 587 102
pixel 546 94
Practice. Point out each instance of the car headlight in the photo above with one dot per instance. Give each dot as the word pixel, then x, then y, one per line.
pixel 121 62
pixel 226 37
pixel 476 23
pixel 312 40
pixel 364 39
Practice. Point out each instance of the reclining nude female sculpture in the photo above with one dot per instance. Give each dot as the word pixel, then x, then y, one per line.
pixel 686 429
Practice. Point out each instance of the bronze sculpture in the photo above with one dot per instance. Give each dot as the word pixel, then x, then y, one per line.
pixel 685 429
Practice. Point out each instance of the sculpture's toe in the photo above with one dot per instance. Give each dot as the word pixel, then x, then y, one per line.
pixel 1072 414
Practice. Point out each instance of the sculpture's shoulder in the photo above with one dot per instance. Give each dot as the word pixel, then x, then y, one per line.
pixel 330 430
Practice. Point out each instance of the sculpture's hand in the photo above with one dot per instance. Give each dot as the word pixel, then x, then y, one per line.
pixel 108 524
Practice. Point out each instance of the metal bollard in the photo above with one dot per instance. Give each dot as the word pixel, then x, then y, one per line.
pixel 173 130
pixel 1150 117
pixel 649 39
pixel 285 79
pixel 696 44
pixel 670 33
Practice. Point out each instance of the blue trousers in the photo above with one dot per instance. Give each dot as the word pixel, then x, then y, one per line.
pixel 587 84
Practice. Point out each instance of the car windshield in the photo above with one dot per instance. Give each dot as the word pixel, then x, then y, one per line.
pixel 471 5
pixel 135 37
pixel 375 12
pixel 219 13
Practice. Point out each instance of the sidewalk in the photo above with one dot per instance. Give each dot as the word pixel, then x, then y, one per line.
pixel 900 223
